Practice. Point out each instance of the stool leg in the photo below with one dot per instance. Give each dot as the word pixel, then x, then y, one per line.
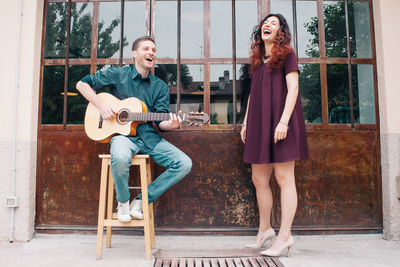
pixel 102 206
pixel 145 205
pixel 151 209
pixel 109 207
pixel 152 231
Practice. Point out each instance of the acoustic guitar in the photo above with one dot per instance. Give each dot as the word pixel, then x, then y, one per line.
pixel 130 112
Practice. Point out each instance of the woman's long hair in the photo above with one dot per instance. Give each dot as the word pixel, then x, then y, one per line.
pixel 280 49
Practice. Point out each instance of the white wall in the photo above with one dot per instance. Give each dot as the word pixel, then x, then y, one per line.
pixel 387 28
pixel 19 107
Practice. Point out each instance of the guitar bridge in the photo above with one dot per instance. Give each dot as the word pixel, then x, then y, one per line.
pixel 100 122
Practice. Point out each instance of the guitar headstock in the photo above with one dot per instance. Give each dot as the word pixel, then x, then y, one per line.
pixel 196 118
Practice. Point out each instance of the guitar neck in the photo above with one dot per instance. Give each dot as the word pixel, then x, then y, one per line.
pixel 147 116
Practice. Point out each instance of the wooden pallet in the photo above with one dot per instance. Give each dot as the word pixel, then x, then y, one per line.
pixel 214 258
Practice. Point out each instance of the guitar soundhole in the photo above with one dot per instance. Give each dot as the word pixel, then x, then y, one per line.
pixel 123 117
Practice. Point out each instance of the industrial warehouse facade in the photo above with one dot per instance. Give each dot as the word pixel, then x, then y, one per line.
pixel 347 185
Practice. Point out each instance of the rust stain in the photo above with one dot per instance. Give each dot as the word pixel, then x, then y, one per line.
pixel 336 186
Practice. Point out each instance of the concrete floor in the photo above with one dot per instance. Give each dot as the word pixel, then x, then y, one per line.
pixel 80 250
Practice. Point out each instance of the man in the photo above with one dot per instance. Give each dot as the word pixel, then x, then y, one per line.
pixel 137 81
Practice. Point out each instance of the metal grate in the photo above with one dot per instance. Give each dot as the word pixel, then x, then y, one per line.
pixel 214 258
pixel 220 262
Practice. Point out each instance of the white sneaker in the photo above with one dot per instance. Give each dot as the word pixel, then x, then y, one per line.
pixel 123 212
pixel 136 209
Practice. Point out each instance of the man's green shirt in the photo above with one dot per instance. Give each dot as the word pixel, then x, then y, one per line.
pixel 127 82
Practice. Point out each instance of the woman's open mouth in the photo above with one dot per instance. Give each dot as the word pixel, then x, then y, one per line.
pixel 266 32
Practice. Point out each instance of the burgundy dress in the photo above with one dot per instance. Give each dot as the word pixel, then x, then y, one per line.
pixel 267 101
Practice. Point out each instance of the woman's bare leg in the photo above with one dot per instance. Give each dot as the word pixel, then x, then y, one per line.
pixel 284 174
pixel 261 174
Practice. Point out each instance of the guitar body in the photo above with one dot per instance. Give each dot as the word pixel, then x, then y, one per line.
pixel 130 112
pixel 103 130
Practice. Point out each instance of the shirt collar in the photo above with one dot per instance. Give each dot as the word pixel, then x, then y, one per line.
pixel 137 75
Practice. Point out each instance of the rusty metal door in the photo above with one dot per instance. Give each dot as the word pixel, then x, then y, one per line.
pixel 338 187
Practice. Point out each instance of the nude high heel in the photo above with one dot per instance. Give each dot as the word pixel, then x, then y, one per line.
pixel 269 234
pixel 278 252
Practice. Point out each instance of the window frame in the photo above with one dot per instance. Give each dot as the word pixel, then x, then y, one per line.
pixel 263 8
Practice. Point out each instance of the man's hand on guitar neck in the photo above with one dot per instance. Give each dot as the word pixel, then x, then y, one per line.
pixel 175 122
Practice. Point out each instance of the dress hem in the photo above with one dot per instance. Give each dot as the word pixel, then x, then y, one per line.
pixel 295 159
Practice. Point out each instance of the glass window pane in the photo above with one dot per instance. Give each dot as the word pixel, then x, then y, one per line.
pixel 109 30
pixel 307 29
pixel 168 73
pixel 166 29
pixel 192 88
pixel 81 30
pixel 52 99
pixel 363 93
pixel 310 91
pixel 56 34
pixel 134 24
pixel 360 31
pixel 338 93
pixel 192 29
pixel 246 20
pixel 243 84
pixel 76 103
pixel 221 97
pixel 335 29
pixel 221 29
pixel 284 7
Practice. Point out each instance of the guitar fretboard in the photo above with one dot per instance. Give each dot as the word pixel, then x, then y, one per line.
pixel 141 116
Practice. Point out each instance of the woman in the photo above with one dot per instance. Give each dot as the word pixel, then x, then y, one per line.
pixel 274 129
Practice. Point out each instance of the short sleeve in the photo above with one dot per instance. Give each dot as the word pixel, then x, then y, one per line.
pixel 103 78
pixel 291 63
pixel 87 80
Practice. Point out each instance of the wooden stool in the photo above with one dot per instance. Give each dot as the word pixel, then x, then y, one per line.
pixel 111 219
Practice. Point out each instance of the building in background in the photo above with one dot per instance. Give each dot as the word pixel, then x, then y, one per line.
pixel 348 59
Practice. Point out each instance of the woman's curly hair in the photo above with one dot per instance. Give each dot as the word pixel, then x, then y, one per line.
pixel 279 50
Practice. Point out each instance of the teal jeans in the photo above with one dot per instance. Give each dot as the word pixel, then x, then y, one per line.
pixel 123 148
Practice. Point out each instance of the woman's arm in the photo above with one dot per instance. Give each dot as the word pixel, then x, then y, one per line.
pixel 292 82
pixel 244 125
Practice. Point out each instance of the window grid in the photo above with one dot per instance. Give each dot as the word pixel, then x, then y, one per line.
pixel 263 8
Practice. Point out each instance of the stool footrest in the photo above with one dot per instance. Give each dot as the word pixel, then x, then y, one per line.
pixel 135 187
pixel 115 217
pixel 118 223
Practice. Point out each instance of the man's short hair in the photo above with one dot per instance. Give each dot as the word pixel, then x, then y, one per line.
pixel 141 39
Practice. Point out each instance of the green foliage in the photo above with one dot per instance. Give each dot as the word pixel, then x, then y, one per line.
pixel 81 32
pixel 55 36
pixel 106 47
pixel 310 90
pixel 337 75
pixel 168 73
pixel 80 47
